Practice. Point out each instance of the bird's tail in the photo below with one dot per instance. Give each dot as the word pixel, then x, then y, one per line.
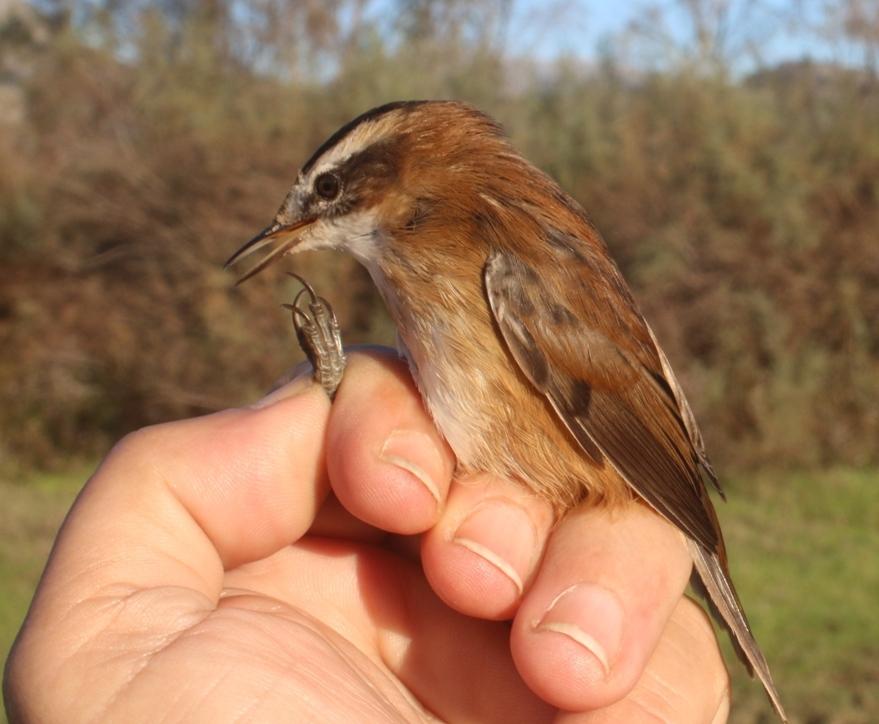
pixel 724 601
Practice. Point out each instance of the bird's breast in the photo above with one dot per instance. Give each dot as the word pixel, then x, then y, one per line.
pixel 444 332
pixel 453 371
pixel 489 413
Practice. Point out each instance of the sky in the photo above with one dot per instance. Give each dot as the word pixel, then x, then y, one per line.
pixel 581 31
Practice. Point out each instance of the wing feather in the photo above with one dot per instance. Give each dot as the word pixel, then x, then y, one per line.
pixel 604 392
pixel 577 335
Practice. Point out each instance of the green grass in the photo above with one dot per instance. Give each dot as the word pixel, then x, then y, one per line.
pixel 31 512
pixel 804 556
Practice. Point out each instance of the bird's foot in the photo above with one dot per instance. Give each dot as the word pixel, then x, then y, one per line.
pixel 318 333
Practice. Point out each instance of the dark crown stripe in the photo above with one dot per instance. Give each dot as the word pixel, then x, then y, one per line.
pixel 339 135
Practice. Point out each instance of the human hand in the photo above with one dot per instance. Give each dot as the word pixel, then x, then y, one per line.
pixel 208 572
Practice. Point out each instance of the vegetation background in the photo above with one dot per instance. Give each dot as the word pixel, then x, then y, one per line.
pixel 141 142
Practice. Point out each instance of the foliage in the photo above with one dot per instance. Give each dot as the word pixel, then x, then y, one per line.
pixel 157 135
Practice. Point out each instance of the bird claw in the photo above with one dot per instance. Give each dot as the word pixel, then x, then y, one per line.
pixel 317 330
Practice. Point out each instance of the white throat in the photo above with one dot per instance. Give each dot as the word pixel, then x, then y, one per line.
pixel 357 233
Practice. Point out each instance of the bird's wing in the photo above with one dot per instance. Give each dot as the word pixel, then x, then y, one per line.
pixel 574 330
pixel 577 335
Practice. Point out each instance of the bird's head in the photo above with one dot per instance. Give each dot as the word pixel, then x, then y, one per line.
pixel 387 181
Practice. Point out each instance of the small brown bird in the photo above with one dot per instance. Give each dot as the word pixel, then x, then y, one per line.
pixel 521 334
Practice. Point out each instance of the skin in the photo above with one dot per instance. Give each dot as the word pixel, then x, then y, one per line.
pixel 239 567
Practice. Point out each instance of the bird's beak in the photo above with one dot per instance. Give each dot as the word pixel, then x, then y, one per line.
pixel 282 237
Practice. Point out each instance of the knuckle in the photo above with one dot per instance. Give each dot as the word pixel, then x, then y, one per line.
pixel 145 449
pixel 139 444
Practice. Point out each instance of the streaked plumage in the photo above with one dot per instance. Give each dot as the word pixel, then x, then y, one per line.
pixel 520 331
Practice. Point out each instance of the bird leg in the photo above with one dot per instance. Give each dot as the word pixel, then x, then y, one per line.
pixel 317 330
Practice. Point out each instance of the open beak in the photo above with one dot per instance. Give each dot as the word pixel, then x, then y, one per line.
pixel 281 237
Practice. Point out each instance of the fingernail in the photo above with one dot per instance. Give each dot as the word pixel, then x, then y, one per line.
pixel 503 534
pixel 589 615
pixel 291 389
pixel 417 454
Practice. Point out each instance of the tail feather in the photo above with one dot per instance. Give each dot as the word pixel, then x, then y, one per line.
pixel 726 606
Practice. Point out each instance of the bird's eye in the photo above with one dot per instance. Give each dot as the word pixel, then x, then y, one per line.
pixel 327 186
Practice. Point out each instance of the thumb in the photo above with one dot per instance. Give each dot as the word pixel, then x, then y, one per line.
pixel 177 504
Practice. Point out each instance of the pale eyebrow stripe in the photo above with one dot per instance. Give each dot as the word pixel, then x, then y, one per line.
pixel 345 130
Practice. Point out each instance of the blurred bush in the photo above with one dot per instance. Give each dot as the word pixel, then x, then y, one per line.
pixel 153 137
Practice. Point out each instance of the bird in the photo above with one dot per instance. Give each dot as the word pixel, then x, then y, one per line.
pixel 522 336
